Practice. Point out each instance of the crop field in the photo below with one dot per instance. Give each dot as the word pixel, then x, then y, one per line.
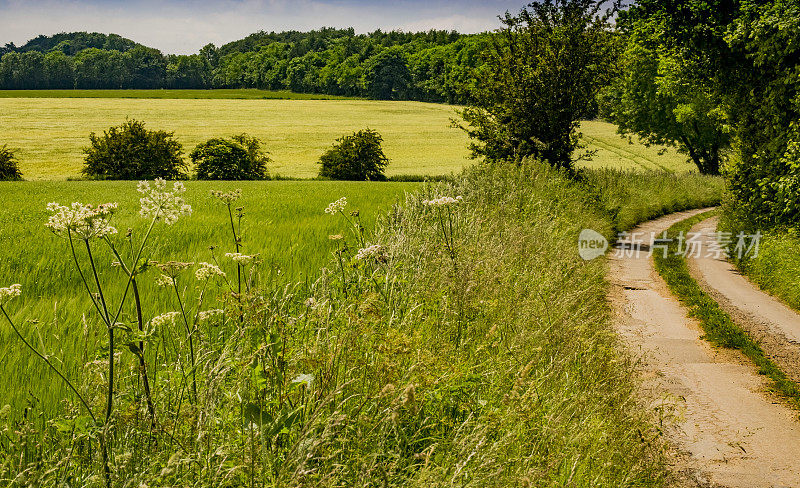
pixel 284 223
pixel 50 133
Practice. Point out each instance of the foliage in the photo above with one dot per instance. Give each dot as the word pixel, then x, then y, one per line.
pixel 657 98
pixel 428 66
pixel 744 53
pixel 238 158
pixel 541 76
pixel 355 157
pixel 129 152
pixel 9 165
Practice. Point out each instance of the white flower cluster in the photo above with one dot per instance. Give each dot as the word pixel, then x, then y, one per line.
pixel 210 314
pixel 173 268
pixel 337 206
pixel 375 251
pixel 84 221
pixel 165 280
pixel 239 258
pixel 207 271
pixel 304 378
pixel 442 201
pixel 162 204
pixel 10 292
pixel 227 197
pixel 164 319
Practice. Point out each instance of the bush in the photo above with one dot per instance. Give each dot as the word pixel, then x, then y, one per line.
pixel 9 165
pixel 239 158
pixel 131 152
pixel 355 157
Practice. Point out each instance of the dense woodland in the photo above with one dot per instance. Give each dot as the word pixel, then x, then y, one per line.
pixel 434 66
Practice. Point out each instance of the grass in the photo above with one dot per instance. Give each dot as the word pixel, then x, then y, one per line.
pixel 49 133
pixel 615 152
pixel 475 349
pixel 290 232
pixel 777 266
pixel 719 327
pixel 237 93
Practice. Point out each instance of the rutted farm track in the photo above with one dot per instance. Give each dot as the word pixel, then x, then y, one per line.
pixel 729 429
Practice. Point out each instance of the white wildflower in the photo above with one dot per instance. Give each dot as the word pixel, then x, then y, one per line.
pixel 162 204
pixel 10 292
pixel 227 197
pixel 172 268
pixel 443 201
pixel 164 319
pixel 311 302
pixel 336 206
pixel 207 271
pixel 83 221
pixel 304 378
pixel 165 280
pixel 239 258
pixel 210 314
pixel 375 251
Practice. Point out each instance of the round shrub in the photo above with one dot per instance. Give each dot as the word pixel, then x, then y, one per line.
pixel 238 158
pixel 355 157
pixel 131 152
pixel 9 165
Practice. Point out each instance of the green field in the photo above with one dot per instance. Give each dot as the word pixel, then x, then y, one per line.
pixel 284 223
pixel 50 133
pixel 234 93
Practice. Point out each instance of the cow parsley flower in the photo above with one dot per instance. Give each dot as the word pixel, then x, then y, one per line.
pixel 162 204
pixel 304 378
pixel 164 319
pixel 375 251
pixel 336 206
pixel 165 280
pixel 83 221
pixel 239 258
pixel 443 201
pixel 10 292
pixel 227 197
pixel 207 271
pixel 210 314
pixel 172 268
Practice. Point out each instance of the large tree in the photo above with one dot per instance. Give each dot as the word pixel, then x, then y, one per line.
pixel 655 98
pixel 541 76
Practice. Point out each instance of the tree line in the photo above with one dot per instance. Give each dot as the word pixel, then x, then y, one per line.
pixel 435 66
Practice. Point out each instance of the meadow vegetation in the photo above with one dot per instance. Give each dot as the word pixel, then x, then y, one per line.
pixel 455 340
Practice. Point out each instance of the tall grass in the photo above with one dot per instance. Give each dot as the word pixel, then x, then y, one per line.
pixel 462 344
pixel 776 268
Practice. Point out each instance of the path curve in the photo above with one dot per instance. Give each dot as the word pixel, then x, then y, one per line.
pixel 769 321
pixel 731 432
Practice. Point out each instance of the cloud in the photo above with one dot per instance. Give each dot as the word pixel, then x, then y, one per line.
pixel 185 26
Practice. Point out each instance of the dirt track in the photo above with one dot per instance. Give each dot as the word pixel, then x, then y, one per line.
pixel 731 432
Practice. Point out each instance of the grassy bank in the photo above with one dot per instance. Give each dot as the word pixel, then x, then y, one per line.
pixel 472 348
pixel 719 327
pixel 776 268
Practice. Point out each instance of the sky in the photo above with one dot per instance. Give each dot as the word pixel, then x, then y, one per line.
pixel 184 26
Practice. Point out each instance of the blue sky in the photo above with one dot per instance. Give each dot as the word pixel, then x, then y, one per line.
pixel 185 26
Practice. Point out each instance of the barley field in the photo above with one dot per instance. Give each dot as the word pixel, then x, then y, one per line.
pixel 49 133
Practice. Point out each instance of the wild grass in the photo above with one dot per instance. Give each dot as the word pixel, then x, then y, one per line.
pixel 631 197
pixel 472 346
pixel 719 327
pixel 776 268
